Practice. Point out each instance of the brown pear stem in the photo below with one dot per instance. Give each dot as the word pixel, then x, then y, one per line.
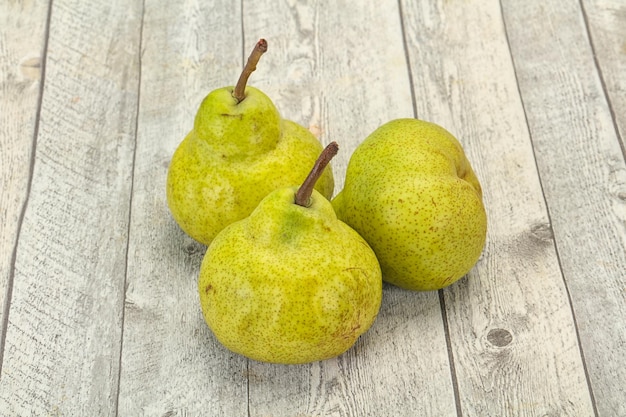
pixel 303 195
pixel 259 49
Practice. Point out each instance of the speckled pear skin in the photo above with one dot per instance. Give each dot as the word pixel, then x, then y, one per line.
pixel 236 154
pixel 289 284
pixel 411 193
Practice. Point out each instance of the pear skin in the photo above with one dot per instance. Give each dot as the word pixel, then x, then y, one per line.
pixel 291 283
pixel 211 183
pixel 411 193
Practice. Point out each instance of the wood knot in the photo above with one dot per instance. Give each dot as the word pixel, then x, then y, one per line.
pixel 542 232
pixel 499 337
pixel 31 68
pixel 191 248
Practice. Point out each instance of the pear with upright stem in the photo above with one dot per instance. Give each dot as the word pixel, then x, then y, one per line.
pixel 239 150
pixel 290 283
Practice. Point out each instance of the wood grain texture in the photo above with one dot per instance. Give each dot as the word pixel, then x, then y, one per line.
pixel 583 172
pixel 324 71
pixel 22 40
pixel 534 90
pixel 64 327
pixel 513 336
pixel 606 21
pixel 400 366
pixel 171 363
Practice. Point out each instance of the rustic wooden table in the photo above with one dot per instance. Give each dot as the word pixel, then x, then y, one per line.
pixel 100 315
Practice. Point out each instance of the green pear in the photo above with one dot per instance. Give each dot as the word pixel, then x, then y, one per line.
pixel 238 151
pixel 411 193
pixel 290 283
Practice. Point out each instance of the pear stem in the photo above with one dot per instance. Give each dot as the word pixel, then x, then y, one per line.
pixel 240 89
pixel 303 195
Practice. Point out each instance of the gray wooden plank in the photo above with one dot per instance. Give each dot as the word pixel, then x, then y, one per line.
pixel 513 336
pixel 22 40
pixel 582 169
pixel 340 69
pixel 607 25
pixel 400 367
pixel 171 363
pixel 63 337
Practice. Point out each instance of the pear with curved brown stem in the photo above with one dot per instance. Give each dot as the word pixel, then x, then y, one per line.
pixel 238 151
pixel 290 283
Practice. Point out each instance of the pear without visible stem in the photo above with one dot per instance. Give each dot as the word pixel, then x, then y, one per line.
pixel 238 151
pixel 290 283
pixel 412 194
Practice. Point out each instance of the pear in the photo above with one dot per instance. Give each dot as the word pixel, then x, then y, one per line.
pixel 411 193
pixel 290 283
pixel 238 151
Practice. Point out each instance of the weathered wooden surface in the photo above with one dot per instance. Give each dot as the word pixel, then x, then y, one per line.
pixel 22 44
pixel 170 361
pixel 583 173
pixel 62 338
pixel 101 314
